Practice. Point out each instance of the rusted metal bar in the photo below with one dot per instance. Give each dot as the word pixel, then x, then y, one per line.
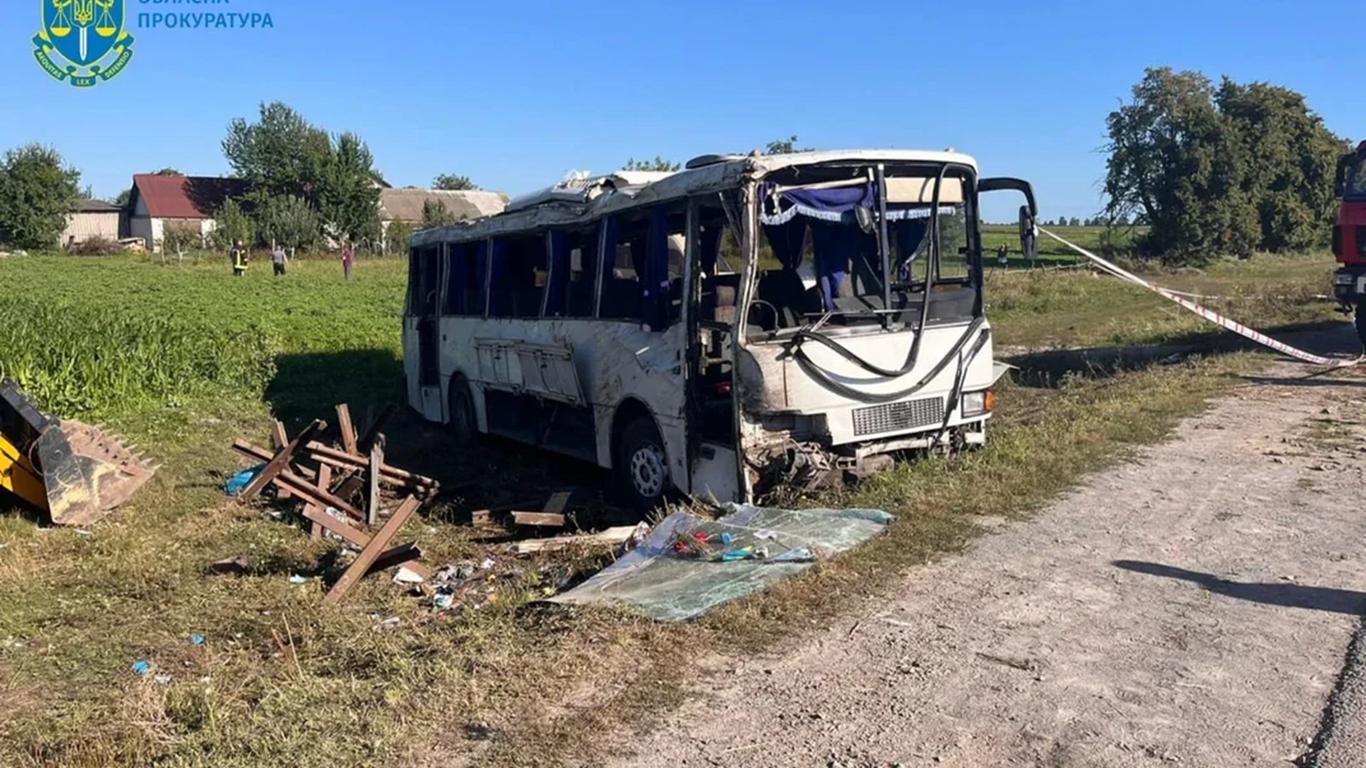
pixel 320 497
pixel 279 463
pixel 324 484
pixel 261 454
pixel 343 460
pixel 371 552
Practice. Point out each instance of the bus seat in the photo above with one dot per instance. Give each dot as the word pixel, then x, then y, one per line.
pixel 784 289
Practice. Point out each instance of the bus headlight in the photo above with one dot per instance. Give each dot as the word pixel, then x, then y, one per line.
pixel 976 403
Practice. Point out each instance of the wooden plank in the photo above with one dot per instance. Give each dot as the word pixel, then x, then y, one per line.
pixel 558 502
pixel 349 533
pixel 481 518
pixel 348 431
pixel 309 492
pixel 609 537
pixel 404 555
pixel 376 470
pixel 280 438
pixel 261 454
pixel 378 543
pixel 540 519
pixel 279 435
pixel 279 463
pixel 372 429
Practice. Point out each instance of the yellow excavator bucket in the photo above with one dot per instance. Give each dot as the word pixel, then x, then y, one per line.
pixel 73 471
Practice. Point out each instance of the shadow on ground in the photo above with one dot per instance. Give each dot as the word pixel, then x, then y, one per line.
pixel 494 474
pixel 1050 368
pixel 1288 595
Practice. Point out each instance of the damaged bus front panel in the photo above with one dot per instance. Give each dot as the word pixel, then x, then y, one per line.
pixel 862 332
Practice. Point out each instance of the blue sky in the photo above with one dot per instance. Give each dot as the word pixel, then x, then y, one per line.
pixel 514 94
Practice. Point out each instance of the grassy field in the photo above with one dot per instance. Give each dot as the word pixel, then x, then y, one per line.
pixel 182 359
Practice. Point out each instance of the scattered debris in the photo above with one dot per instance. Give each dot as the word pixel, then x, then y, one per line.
pixel 609 538
pixel 235 566
pixel 141 667
pixel 196 638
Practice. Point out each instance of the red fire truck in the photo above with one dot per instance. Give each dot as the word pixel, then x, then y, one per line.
pixel 1349 237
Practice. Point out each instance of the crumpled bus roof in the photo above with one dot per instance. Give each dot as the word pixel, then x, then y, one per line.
pixel 581 200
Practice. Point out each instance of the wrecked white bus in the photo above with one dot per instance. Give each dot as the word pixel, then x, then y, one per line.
pixel 744 322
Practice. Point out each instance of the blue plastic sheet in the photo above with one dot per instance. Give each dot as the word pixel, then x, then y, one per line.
pixel 668 585
pixel 238 482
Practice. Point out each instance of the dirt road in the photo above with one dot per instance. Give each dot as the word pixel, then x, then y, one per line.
pixel 1192 606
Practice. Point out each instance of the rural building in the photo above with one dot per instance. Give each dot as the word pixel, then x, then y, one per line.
pixel 406 204
pixel 92 219
pixel 159 201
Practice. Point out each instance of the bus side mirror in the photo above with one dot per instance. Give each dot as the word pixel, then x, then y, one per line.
pixel 1018 185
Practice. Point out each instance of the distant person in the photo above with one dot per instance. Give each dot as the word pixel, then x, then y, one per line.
pixel 1029 236
pixel 348 257
pixel 1002 254
pixel 239 258
pixel 278 260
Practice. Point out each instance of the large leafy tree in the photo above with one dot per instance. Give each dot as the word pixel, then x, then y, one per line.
pixel 284 155
pixel 37 192
pixel 1231 169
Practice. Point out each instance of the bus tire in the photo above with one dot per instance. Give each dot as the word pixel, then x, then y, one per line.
pixel 464 427
pixel 1359 320
pixel 642 465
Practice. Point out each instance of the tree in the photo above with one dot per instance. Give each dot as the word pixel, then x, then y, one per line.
pixel 396 237
pixel 37 192
pixel 449 181
pixel 287 221
pixel 168 171
pixel 658 164
pixel 784 146
pixel 1226 170
pixel 282 154
pixel 124 198
pixel 232 225
pixel 436 214
pixel 349 197
pixel 178 237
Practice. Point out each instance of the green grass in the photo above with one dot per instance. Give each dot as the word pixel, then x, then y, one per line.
pixel 286 680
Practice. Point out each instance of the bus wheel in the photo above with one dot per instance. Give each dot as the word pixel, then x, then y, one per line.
pixel 1359 320
pixel 463 425
pixel 642 466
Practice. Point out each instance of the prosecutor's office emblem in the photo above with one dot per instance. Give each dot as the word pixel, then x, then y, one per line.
pixel 83 41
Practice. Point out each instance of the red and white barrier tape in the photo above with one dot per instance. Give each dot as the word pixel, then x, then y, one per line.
pixel 1208 314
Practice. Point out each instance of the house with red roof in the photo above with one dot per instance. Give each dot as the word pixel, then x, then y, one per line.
pixel 159 201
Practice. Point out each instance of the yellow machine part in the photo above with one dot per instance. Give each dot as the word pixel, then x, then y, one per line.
pixel 18 476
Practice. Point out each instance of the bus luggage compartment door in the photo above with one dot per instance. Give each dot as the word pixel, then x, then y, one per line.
pixel 542 370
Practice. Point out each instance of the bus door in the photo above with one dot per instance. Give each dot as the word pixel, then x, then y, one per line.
pixel 423 314
pixel 713 456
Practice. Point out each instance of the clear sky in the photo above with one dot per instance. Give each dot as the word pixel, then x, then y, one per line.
pixel 514 94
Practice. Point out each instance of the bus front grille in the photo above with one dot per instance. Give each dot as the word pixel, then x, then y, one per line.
pixel 898 417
